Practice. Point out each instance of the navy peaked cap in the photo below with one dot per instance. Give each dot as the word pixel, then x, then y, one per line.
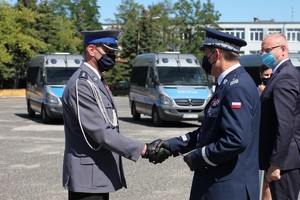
pixel 222 40
pixel 108 38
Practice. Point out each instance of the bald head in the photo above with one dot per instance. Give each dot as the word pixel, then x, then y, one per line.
pixel 276 37
pixel 277 44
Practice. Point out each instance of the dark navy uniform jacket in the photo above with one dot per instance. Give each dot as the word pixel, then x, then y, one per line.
pixel 226 146
pixel 280 119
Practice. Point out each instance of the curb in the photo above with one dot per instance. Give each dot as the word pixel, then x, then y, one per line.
pixel 13 93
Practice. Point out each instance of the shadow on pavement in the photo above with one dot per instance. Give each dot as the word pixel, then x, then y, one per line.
pixel 38 119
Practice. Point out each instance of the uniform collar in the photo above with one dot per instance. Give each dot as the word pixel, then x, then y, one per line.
pixel 94 70
pixel 227 71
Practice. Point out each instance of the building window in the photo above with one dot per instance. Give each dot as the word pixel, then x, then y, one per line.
pixel 274 30
pixel 254 52
pixel 256 34
pixel 238 32
pixel 293 34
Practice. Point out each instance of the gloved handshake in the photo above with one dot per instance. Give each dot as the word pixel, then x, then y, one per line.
pixel 158 151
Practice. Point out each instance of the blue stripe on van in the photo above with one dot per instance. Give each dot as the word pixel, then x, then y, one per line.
pixel 58 91
pixel 187 92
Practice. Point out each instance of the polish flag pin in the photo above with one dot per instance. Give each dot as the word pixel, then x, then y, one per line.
pixel 236 105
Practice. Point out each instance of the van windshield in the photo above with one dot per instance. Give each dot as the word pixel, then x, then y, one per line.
pixel 59 75
pixel 181 76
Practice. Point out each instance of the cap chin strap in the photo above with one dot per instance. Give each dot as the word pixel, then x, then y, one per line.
pixel 101 106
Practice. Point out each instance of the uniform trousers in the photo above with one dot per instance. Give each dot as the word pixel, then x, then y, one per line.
pixel 287 187
pixel 88 196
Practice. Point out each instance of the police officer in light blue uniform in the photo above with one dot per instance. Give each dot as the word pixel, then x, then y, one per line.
pixel 92 166
pixel 223 152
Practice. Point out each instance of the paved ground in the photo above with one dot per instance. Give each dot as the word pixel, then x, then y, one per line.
pixel 31 157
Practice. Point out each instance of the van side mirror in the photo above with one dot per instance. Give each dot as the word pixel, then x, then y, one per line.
pixel 210 82
pixel 149 83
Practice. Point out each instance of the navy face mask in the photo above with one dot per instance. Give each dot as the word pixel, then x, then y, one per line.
pixel 106 62
pixel 206 65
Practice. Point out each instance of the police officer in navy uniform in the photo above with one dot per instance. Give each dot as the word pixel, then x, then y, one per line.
pixel 223 152
pixel 92 166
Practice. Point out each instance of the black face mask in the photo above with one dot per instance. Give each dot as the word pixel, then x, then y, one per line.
pixel 265 80
pixel 206 65
pixel 106 62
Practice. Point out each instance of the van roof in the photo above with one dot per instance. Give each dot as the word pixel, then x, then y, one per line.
pixel 56 60
pixel 166 60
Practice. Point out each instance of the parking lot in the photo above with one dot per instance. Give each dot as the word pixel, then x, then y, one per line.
pixel 31 157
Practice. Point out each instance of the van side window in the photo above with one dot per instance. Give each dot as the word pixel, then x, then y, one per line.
pixel 41 78
pixel 151 73
pixel 32 74
pixel 139 75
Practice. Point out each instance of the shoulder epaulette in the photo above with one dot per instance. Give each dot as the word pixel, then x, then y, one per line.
pixel 83 74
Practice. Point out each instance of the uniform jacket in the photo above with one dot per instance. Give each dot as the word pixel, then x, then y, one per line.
pixel 226 146
pixel 84 169
pixel 280 119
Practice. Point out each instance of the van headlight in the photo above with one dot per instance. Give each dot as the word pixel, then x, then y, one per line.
pixel 51 99
pixel 165 100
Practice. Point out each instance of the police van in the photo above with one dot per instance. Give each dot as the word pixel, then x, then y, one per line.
pixel 168 87
pixel 47 75
pixel 252 62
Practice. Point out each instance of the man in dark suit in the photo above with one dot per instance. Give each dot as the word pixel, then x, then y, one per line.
pixel 223 153
pixel 92 166
pixel 279 146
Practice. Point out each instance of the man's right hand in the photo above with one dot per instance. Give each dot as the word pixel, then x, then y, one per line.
pixel 158 151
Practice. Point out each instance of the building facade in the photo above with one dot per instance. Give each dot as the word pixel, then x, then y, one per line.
pixel 254 32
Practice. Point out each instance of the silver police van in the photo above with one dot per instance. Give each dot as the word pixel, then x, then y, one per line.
pixel 168 87
pixel 47 75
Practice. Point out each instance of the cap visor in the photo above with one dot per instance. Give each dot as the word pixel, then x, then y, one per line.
pixel 112 48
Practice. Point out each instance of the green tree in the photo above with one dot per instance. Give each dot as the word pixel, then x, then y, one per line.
pixel 128 15
pixel 86 14
pixel 17 42
pixel 148 33
pixel 161 15
pixel 191 17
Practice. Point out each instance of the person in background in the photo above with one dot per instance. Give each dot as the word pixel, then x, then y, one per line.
pixel 223 152
pixel 265 73
pixel 92 165
pixel 279 145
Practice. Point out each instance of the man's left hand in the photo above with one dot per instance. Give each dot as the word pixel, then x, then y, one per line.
pixel 273 173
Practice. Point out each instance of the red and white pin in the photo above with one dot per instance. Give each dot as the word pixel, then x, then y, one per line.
pixel 236 105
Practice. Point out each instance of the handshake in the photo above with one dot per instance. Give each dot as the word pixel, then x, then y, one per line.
pixel 158 151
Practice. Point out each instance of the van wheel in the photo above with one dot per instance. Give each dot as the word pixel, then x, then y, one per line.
pixel 135 115
pixel 156 118
pixel 45 117
pixel 31 113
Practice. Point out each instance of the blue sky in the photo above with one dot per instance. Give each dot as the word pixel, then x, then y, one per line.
pixel 231 10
